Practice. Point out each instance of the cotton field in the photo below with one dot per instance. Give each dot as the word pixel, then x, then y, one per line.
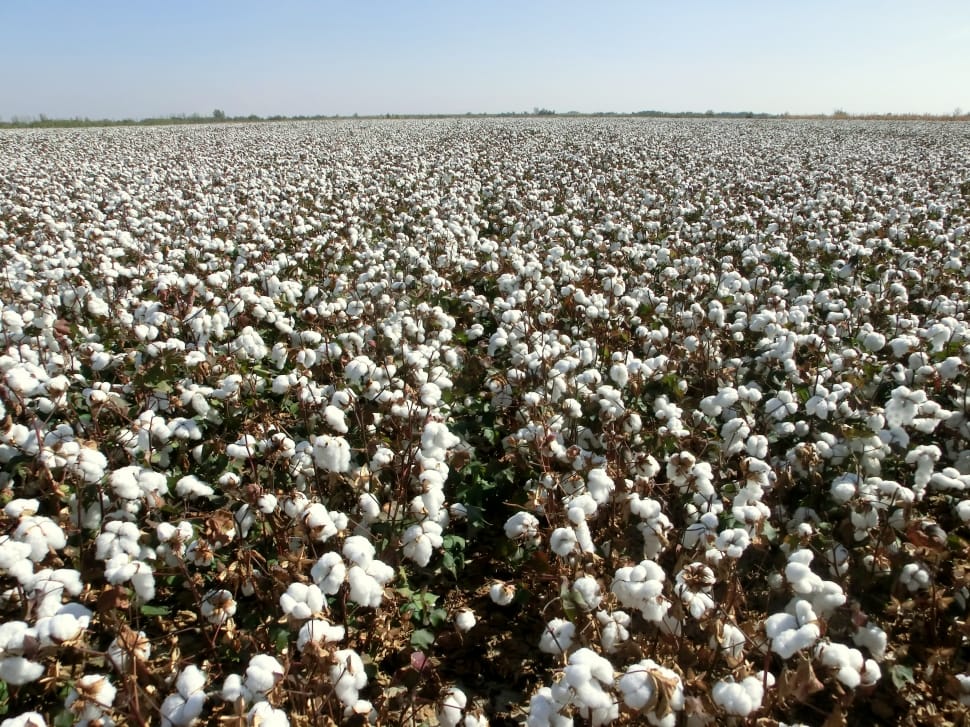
pixel 468 422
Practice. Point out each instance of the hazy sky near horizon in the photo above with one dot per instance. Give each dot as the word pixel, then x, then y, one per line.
pixel 132 59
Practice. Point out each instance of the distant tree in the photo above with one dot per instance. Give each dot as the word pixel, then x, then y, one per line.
pixel 219 115
pixel 840 114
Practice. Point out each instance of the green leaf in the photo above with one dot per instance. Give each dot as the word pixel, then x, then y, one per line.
pixel 901 675
pixel 150 610
pixel 422 639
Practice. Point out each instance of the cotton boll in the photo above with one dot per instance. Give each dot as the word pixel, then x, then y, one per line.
pixel 17 670
pixel 319 631
pixel 25 719
pixel 563 540
pixel 522 525
pixel 364 589
pixel 502 594
pixel 586 593
pixel 358 550
pixel 263 673
pixel 452 708
pixel 557 638
pixel 614 629
pixel 263 714
pixel 600 485
pixel 191 486
pixel 331 454
pixel 329 573
pixel 302 601
pixel 739 698
pixel 465 620
pixel 347 676
pixel 419 542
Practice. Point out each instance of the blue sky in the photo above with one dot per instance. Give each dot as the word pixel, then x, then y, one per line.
pixel 114 59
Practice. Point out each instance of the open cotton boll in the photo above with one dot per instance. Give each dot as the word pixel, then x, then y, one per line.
pixel 741 698
pixel 452 708
pixel 17 670
pixel 586 593
pixel 128 645
pixel 318 522
pixel 25 719
pixel 329 572
pixel 302 601
pixel 263 673
pixel 420 540
pixel 335 419
pixel 599 485
pixel 318 631
pixel 185 706
pixel 502 594
pixel 218 606
pixel 639 685
pixel 557 637
pixel 264 714
pixel 521 526
pixel 546 707
pixel 42 534
pixel 790 633
pixel 347 676
pixel 590 676
pixel 94 694
pixel 191 486
pixel 641 587
pixel 563 541
pixel 358 550
pixel 331 454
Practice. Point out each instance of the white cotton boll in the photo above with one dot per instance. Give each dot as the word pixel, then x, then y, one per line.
pixel 192 486
pixel 318 523
pixel 233 689
pixel 522 525
pixel 586 593
pixel 331 454
pixel 452 708
pixel 600 485
pixel 358 550
pixel 557 638
pixel 739 698
pixel 620 374
pixel 267 503
pixel 302 601
pixel 563 541
pixel 218 606
pixel 96 690
pixel 791 633
pixel 873 638
pixel 502 594
pixel 126 646
pixel 614 629
pixel 420 540
pixel 639 687
pixel 42 535
pixel 264 714
pixel 329 573
pixel 318 631
pixel 915 577
pixel 336 419
pixel 25 719
pixel 263 673
pixel 190 681
pixel 364 589
pixel 874 341
pixel 545 709
pixel 21 507
pixel 347 676
pixel 465 620
pixel 17 670
pixel 179 711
